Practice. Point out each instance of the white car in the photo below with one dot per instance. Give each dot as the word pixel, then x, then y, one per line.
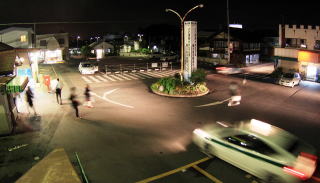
pixel 290 79
pixel 88 68
pixel 263 150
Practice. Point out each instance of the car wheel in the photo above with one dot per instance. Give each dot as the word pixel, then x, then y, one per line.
pixel 273 179
pixel 208 150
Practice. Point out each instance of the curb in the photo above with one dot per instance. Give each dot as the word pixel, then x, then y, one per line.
pixel 180 96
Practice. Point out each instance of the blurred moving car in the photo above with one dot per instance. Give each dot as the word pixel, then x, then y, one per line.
pixel 290 79
pixel 263 150
pixel 229 69
pixel 88 68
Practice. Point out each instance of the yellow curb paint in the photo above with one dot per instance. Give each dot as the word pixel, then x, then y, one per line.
pixel 208 175
pixel 173 171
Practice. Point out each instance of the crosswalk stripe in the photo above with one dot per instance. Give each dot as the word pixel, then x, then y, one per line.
pixel 124 77
pixel 137 76
pixel 109 78
pixel 130 76
pixel 161 74
pixel 116 77
pixel 144 75
pixel 101 78
pixel 86 79
pixel 94 79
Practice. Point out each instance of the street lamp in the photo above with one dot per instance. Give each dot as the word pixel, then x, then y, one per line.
pixel 78 37
pixel 182 33
pixel 140 35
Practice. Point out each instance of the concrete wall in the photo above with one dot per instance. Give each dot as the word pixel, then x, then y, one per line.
pixel 311 34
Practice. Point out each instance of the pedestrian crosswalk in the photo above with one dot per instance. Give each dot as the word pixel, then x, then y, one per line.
pixel 129 76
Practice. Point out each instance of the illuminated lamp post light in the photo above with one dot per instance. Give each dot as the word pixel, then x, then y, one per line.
pixel 182 19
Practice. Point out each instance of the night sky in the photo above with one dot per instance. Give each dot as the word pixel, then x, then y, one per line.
pixel 129 16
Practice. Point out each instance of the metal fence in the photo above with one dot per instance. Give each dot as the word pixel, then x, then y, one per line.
pixel 140 67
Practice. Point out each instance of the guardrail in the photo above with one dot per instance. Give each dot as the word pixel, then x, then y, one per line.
pixel 140 67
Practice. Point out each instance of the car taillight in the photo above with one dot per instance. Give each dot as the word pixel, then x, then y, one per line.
pixel 220 68
pixel 304 166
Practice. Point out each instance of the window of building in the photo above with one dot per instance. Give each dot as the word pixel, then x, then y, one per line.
pixel 43 43
pixel 61 41
pixel 23 38
pixel 317 45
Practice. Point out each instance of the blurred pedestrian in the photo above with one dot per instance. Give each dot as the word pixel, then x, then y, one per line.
pixel 88 96
pixel 235 94
pixel 58 91
pixel 74 102
pixel 29 97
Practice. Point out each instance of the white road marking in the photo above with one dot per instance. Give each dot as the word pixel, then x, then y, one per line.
pixel 130 76
pixel 137 76
pixel 144 75
pixel 122 76
pixel 115 77
pixel 101 78
pixel 107 76
pixel 94 79
pixel 86 79
pixel 214 103
pixel 104 97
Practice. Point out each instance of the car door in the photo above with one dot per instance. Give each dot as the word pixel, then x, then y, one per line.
pixel 250 153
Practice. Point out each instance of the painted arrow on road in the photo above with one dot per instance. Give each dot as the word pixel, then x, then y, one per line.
pixel 104 97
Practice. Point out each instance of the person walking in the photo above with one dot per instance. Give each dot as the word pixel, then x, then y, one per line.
pixel 88 96
pixel 58 91
pixel 29 97
pixel 74 102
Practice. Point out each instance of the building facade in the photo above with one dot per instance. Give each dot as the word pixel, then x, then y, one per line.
pixel 299 50
pixel 244 47
pixel 17 37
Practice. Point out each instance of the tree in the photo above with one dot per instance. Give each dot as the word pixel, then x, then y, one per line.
pixel 86 51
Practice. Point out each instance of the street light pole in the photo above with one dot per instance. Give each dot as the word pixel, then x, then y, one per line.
pixel 182 34
pixel 228 32
pixel 78 37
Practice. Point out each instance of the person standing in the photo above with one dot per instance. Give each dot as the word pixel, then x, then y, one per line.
pixel 74 102
pixel 29 97
pixel 58 91
pixel 88 96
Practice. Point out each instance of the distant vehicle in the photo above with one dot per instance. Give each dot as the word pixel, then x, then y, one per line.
pixel 88 68
pixel 263 150
pixel 290 79
pixel 168 57
pixel 229 69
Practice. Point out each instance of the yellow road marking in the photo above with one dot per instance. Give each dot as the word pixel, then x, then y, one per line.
pixel 173 171
pixel 208 175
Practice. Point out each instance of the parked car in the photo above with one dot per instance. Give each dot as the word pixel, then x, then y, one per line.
pixel 263 150
pixel 290 79
pixel 228 69
pixel 88 67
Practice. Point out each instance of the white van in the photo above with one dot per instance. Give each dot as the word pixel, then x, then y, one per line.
pixel 88 68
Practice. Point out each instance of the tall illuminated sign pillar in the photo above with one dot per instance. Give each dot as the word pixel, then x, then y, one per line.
pixel 190 48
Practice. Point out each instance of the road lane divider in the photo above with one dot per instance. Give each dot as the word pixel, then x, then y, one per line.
pixel 208 175
pixel 173 171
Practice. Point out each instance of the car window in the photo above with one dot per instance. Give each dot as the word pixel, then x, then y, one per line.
pixel 87 65
pixel 288 75
pixel 250 142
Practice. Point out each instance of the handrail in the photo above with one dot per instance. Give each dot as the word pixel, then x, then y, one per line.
pixel 83 173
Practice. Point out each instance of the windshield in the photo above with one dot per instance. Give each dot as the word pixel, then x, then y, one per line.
pixel 87 65
pixel 288 75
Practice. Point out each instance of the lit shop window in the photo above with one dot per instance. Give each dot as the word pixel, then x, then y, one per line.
pixel 23 38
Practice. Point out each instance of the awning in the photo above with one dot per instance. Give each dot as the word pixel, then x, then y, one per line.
pixel 17 84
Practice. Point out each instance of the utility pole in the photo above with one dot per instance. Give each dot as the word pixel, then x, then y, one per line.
pixel 228 23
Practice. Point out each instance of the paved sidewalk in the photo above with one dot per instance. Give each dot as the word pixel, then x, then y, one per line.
pixel 31 137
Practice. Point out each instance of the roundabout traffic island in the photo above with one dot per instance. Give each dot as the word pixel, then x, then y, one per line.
pixel 174 87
